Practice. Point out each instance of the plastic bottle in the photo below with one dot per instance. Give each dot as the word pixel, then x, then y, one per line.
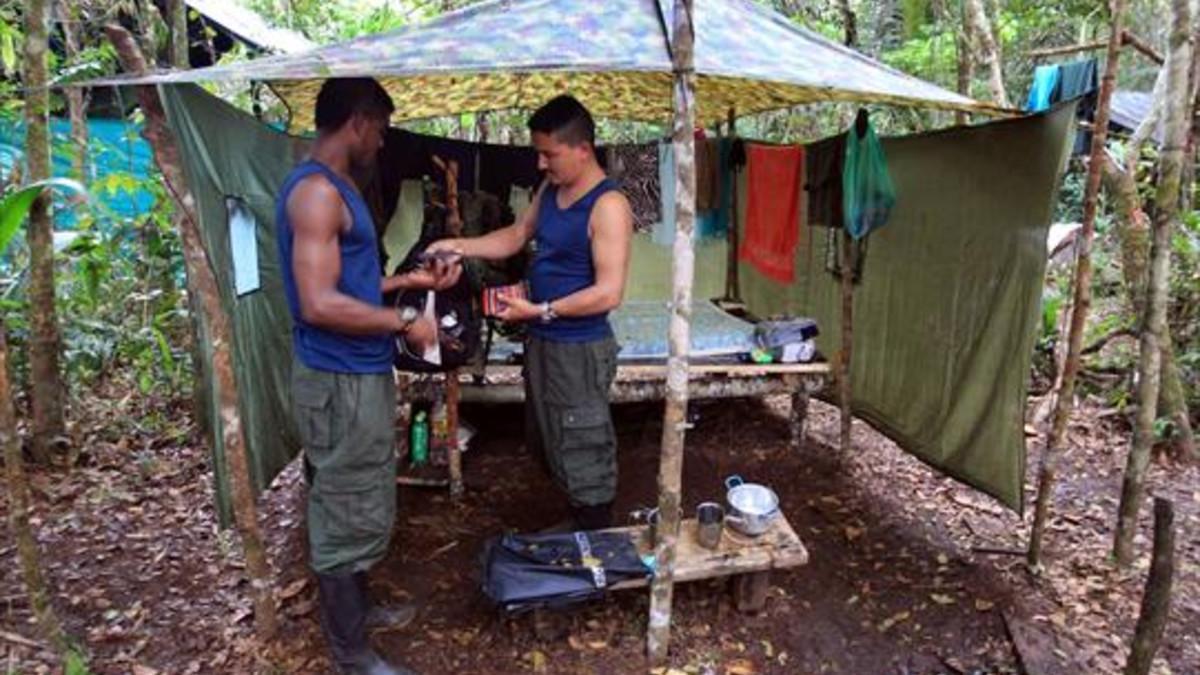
pixel 439 431
pixel 419 439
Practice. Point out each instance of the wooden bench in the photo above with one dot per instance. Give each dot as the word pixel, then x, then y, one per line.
pixel 749 560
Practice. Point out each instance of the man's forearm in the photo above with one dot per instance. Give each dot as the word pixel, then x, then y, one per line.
pixel 498 245
pixel 595 299
pixel 343 314
pixel 400 282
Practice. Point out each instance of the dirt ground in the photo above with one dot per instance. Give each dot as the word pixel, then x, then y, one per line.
pixel 909 573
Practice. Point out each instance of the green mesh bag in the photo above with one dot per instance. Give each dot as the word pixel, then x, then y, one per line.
pixel 867 191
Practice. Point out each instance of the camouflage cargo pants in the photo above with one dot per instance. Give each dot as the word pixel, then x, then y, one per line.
pixel 347 426
pixel 567 415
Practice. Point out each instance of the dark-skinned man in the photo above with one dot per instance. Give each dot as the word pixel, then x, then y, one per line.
pixel 343 391
pixel 582 228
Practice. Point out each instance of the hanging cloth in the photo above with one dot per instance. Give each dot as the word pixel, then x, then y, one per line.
pixel 824 164
pixel 1042 92
pixel 868 194
pixel 707 189
pixel 714 223
pixel 773 178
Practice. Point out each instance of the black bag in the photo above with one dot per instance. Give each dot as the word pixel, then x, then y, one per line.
pixel 523 572
pixel 459 321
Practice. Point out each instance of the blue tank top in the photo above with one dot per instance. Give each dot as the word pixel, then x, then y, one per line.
pixel 562 264
pixel 319 348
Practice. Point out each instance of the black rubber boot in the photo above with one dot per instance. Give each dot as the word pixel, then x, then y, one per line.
pixel 392 616
pixel 344 619
pixel 593 516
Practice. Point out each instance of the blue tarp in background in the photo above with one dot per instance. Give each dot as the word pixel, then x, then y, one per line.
pixel 119 163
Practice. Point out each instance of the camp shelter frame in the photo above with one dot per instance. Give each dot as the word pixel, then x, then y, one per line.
pixel 627 58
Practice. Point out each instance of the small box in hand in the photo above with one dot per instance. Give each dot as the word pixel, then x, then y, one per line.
pixel 493 296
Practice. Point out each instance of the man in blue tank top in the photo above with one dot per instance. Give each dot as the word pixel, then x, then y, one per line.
pixel 582 229
pixel 343 392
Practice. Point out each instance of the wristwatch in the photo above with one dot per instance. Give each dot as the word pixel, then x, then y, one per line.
pixel 547 312
pixel 407 316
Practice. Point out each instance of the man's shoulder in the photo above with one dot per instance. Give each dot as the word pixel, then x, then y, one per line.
pixel 312 191
pixel 612 204
pixel 315 184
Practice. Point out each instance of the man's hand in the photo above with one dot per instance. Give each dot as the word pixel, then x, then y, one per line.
pixel 438 275
pixel 421 334
pixel 514 309
pixel 449 245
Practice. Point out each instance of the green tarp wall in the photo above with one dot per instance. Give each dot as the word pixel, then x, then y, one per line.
pixel 948 309
pixel 946 315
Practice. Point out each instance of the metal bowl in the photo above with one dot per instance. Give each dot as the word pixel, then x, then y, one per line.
pixel 752 507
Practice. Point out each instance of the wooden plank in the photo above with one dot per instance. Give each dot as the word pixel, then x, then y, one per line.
pixel 778 548
pixel 660 369
pixel 629 391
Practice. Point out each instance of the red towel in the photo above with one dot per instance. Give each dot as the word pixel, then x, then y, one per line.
pixel 773 178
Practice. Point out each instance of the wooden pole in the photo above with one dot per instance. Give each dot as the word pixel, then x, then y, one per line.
pixel 1082 296
pixel 204 285
pixel 1166 218
pixel 843 374
pixel 454 225
pixel 1127 38
pixel 670 472
pixel 733 291
pixel 1156 601
pixel 1142 46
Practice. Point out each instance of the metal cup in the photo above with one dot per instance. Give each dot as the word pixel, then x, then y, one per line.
pixel 710 520
pixel 651 518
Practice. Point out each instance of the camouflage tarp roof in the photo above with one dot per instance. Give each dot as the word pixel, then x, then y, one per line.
pixel 613 55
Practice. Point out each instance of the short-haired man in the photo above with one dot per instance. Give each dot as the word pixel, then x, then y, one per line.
pixel 343 391
pixel 582 228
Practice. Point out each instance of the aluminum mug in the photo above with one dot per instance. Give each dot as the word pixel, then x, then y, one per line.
pixel 710 520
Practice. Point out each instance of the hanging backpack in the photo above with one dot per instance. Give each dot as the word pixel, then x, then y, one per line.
pixel 458 319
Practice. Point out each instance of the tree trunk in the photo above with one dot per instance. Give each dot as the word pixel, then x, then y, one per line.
pixel 1132 229
pixel 148 19
pixel 18 512
pixel 670 472
pixel 1154 327
pixel 966 65
pixel 177 21
pixel 204 286
pixel 988 48
pixel 1082 296
pixel 45 383
pixel 68 13
pixel 1156 601
pixel 849 23
pixel 1133 234
pixel 1172 399
pixel 200 393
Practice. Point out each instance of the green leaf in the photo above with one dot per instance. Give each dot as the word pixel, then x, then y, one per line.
pixel 15 206
pixel 164 350
pixel 8 52
pixel 75 664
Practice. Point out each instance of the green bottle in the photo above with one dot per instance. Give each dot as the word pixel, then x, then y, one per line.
pixel 418 442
